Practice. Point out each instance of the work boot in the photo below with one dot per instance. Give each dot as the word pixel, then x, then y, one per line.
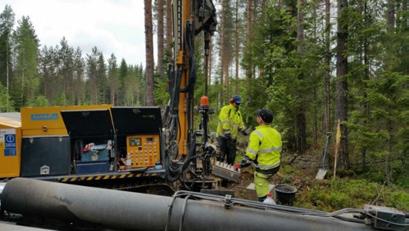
pixel 261 199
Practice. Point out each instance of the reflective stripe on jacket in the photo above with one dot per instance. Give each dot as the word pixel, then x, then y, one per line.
pixel 230 120
pixel 265 146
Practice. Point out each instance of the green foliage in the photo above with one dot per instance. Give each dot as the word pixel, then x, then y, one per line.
pixel 161 92
pixel 6 104
pixel 39 101
pixel 25 81
pixel 59 75
pixel 345 193
pixel 288 77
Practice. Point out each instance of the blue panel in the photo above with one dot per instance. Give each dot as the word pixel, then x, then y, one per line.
pixel 101 155
pixel 92 167
pixel 10 140
pixel 10 151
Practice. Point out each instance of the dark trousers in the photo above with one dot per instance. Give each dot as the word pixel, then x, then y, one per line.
pixel 227 148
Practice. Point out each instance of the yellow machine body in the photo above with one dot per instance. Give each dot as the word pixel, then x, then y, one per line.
pixel 10 147
pixel 46 148
pixel 142 150
pixel 47 121
pixel 39 141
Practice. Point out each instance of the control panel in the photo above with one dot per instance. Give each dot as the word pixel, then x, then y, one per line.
pixel 142 150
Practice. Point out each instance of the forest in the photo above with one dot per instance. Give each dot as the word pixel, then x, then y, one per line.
pixel 312 62
pixel 34 75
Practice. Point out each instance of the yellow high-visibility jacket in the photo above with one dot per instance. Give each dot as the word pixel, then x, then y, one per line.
pixel 230 121
pixel 265 146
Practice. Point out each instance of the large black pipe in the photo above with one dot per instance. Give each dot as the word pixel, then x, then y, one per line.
pixel 11 227
pixel 2 185
pixel 135 211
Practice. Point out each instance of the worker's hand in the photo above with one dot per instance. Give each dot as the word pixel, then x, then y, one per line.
pixel 245 132
pixel 237 166
pixel 245 162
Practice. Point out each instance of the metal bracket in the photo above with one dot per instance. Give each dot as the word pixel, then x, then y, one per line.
pixel 228 203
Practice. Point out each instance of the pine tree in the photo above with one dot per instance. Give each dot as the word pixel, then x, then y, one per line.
pixel 149 53
pixel 327 74
pixel 25 81
pixel 342 82
pixel 160 42
pixel 92 73
pixel 226 46
pixel 113 79
pixel 47 72
pixel 237 43
pixel 301 132
pixel 66 72
pixel 169 26
pixel 6 29
pixel 101 79
pixel 123 72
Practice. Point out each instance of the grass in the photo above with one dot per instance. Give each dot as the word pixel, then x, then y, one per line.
pixel 351 193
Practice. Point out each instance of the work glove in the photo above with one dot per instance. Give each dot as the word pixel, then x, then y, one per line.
pixel 245 162
pixel 237 166
pixel 245 132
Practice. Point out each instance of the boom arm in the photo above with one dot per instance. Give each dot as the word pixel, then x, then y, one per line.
pixel 190 18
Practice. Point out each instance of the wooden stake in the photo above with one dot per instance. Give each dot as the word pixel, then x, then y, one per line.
pixel 337 142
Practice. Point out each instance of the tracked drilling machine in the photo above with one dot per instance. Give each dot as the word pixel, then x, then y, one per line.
pixel 126 147
pixel 185 161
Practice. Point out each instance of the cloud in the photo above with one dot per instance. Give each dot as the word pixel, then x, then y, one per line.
pixel 114 26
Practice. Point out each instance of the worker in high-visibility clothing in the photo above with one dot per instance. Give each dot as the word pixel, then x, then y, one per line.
pixel 230 123
pixel 264 151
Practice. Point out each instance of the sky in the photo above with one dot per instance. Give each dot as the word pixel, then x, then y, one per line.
pixel 114 26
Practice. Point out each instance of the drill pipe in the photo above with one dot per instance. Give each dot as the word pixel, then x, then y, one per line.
pixel 136 211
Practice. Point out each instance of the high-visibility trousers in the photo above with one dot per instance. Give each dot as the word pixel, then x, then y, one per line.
pixel 262 181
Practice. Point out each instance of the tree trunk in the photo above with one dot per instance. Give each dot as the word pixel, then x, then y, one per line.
pixel 404 21
pixel 301 117
pixel 169 30
pixel 391 15
pixel 209 72
pixel 226 45
pixel 389 153
pixel 8 74
pixel 391 20
pixel 300 27
pixel 221 53
pixel 327 76
pixel 160 37
pixel 314 72
pixel 366 79
pixel 149 53
pixel 342 84
pixel 250 15
pixel 237 48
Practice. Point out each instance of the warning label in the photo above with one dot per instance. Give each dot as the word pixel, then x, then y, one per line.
pixel 8 142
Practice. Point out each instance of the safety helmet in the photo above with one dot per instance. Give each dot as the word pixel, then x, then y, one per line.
pixel 236 99
pixel 265 114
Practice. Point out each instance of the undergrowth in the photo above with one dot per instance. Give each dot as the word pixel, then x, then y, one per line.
pixel 351 193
